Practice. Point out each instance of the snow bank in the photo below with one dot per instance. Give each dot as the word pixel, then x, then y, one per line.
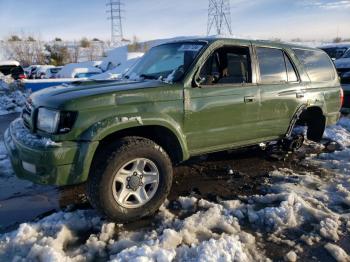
pixel 11 102
pixel 11 99
pixel 59 237
pixel 299 209
pixel 5 165
pixel 337 253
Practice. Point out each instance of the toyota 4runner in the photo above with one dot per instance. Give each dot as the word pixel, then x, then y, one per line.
pixel 181 99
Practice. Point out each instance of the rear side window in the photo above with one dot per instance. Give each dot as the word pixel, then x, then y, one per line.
pixel 272 65
pixel 275 66
pixel 318 65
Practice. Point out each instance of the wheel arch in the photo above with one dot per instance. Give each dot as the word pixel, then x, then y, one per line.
pixel 161 135
pixel 311 116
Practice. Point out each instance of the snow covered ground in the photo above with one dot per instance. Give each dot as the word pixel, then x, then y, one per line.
pixel 299 210
pixel 11 99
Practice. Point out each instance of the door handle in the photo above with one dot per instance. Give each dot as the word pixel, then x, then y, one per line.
pixel 249 99
pixel 299 95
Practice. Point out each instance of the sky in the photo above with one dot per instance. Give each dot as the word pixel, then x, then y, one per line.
pixel 152 19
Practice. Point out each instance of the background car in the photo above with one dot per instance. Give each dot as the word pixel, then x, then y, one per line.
pixel 42 71
pixel 12 68
pixel 86 75
pixel 343 64
pixel 80 70
pixel 31 71
pixel 49 72
pixel 336 51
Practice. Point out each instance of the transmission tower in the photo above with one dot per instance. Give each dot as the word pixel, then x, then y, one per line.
pixel 114 11
pixel 219 17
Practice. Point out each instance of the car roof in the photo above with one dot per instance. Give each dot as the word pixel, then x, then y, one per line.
pixel 9 63
pixel 335 45
pixel 227 40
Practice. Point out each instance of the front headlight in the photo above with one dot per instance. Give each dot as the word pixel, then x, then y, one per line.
pixel 55 122
pixel 48 120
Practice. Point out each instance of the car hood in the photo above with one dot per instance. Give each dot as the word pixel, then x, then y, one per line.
pixel 342 63
pixel 101 91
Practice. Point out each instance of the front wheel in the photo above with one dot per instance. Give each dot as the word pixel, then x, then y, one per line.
pixel 133 182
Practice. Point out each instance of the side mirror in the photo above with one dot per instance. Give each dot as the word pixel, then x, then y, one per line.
pixel 199 81
pixel 216 77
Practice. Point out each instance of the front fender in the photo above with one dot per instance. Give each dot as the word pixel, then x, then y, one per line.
pixel 109 126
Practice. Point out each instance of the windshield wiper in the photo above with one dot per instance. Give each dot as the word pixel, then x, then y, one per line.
pixel 144 76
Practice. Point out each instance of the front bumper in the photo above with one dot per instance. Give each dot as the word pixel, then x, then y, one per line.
pixel 65 163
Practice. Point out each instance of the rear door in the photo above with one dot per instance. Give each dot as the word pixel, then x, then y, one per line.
pixel 281 91
pixel 224 110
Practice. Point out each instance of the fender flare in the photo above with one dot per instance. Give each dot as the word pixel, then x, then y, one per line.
pixel 109 126
pixel 296 117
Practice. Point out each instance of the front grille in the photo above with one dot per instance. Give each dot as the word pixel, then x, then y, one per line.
pixel 27 115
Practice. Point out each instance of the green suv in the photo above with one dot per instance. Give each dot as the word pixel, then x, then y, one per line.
pixel 182 99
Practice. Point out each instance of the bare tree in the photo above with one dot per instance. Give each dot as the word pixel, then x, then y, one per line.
pixel 74 52
pixel 26 50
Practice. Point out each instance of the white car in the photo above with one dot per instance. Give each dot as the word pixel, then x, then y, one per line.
pixel 51 72
pixel 41 71
pixel 79 70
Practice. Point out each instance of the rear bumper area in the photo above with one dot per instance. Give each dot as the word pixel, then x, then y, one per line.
pixel 45 162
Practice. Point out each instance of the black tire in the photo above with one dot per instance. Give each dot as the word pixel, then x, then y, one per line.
pixel 99 189
pixel 315 128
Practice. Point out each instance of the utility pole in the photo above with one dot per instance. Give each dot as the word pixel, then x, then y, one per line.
pixel 114 11
pixel 219 17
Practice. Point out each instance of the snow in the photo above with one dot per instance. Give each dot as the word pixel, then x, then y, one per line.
pixel 291 256
pixel 9 62
pixel 337 252
pixel 118 71
pixel 117 62
pixel 12 101
pixel 5 165
pixel 227 230
pixel 22 134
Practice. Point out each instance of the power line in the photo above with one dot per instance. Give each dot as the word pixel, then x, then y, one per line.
pixel 114 11
pixel 219 17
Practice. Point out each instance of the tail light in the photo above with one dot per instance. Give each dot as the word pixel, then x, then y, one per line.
pixel 341 97
pixel 22 76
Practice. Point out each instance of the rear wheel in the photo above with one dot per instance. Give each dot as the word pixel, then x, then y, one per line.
pixel 133 182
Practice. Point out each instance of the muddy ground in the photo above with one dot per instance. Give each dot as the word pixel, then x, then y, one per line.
pixel 226 175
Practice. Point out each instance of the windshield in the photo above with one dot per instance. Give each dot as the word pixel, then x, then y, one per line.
pixel 54 70
pixel 167 62
pixel 85 75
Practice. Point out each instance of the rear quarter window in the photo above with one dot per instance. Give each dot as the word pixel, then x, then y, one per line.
pixel 318 65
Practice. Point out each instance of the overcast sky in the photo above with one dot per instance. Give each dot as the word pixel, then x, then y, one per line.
pixel 149 19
